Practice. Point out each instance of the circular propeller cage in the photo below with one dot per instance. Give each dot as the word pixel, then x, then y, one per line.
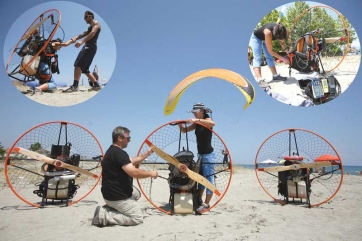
pixel 169 139
pixel 71 143
pixel 321 179
pixel 327 33
pixel 39 33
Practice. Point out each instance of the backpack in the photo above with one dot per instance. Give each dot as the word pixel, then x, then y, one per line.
pixel 302 57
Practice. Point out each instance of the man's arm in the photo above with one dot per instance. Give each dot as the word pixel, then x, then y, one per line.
pixel 138 159
pixel 94 30
pixel 207 122
pixel 58 44
pixel 82 35
pixel 284 46
pixel 132 171
pixel 187 128
pixel 269 46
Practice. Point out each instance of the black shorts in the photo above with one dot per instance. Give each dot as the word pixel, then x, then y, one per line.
pixel 85 58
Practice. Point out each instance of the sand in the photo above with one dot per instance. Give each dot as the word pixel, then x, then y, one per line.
pixel 57 97
pixel 245 213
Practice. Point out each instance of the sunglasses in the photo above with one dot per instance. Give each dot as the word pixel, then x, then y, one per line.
pixel 127 138
pixel 86 16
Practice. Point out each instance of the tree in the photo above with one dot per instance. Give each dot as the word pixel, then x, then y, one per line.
pixel 35 147
pixel 2 151
pixel 300 19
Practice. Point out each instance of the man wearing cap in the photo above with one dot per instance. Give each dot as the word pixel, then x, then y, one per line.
pixel 204 148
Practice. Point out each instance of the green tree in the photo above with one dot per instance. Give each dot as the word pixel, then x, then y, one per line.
pixel 35 147
pixel 300 19
pixel 2 151
pixel 271 17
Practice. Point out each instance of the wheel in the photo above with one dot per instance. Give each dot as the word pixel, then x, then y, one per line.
pixel 169 139
pixel 320 170
pixel 25 176
pixel 330 32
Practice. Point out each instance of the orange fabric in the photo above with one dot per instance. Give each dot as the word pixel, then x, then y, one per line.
pixel 300 45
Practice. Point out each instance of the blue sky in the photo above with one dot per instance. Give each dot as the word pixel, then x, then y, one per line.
pixel 158 43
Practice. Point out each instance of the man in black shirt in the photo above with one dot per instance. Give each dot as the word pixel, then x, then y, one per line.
pixel 118 171
pixel 86 55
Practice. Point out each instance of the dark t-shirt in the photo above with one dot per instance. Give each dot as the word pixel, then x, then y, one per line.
pixel 93 41
pixel 259 33
pixel 203 138
pixel 116 184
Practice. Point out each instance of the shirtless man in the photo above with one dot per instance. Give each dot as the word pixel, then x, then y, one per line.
pixel 86 55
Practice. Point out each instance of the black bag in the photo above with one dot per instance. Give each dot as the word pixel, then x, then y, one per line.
pixel 54 65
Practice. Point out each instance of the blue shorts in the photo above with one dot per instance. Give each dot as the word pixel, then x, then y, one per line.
pixel 43 70
pixel 207 169
pixel 258 46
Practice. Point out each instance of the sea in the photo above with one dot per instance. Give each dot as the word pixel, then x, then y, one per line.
pixel 352 170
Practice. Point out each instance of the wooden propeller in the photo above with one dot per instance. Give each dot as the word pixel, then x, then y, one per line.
pixel 193 175
pixel 296 166
pixel 32 30
pixel 51 161
pixel 332 40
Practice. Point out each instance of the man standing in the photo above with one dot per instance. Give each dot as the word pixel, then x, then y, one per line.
pixel 86 55
pixel 118 171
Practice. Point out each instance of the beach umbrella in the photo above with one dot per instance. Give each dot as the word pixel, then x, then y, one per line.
pixel 328 157
pixel 268 161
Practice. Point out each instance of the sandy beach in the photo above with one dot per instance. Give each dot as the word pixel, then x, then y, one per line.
pixel 245 213
pixel 345 73
pixel 56 98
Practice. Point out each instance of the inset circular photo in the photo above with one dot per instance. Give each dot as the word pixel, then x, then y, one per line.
pixel 304 53
pixel 59 53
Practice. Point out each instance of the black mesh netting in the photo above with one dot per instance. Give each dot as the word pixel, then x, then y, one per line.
pixel 169 139
pixel 325 180
pixel 24 174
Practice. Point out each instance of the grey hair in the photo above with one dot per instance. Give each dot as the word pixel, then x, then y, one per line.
pixel 119 131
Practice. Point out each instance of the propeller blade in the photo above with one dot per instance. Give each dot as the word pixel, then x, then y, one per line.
pixel 333 40
pixel 295 166
pixel 51 161
pixel 193 175
pixel 30 32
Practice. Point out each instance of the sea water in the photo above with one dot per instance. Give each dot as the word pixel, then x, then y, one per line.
pixel 352 170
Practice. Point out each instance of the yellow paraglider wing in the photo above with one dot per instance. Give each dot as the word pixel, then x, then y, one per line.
pixel 248 92
pixel 239 81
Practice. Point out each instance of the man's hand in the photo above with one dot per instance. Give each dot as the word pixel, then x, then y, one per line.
pixel 285 60
pixel 78 44
pixel 193 120
pixel 154 174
